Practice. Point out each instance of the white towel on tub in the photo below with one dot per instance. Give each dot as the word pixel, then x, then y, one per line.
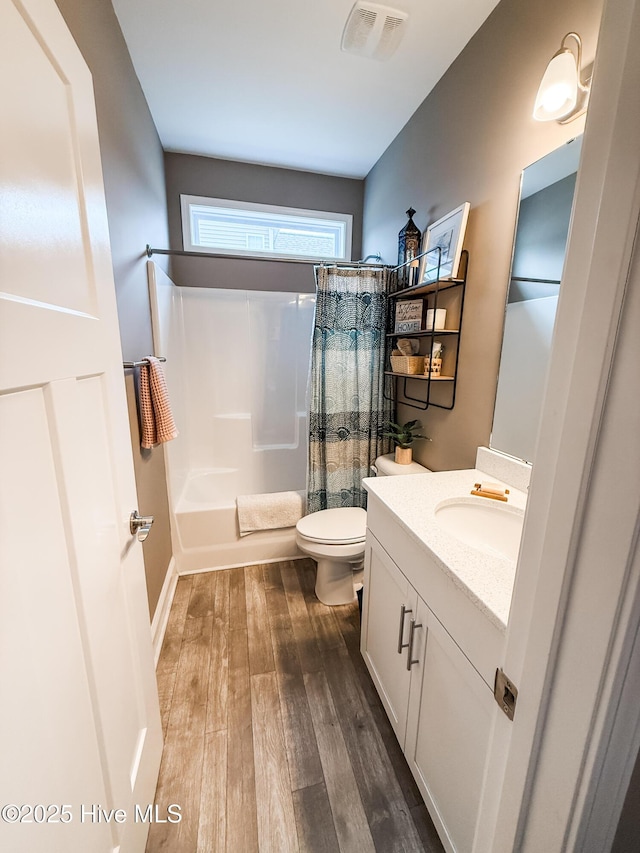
pixel 270 511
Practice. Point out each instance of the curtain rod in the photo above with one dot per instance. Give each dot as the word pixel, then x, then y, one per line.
pixel 354 265
pixel 357 264
pixel 410 262
pixel 149 251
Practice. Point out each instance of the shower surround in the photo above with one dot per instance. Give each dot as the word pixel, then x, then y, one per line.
pixel 237 371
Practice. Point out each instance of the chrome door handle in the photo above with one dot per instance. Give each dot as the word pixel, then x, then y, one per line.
pixel 140 524
pixel 412 629
pixel 403 612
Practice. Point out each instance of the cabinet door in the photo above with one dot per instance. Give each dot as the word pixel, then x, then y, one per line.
pixel 450 717
pixel 389 603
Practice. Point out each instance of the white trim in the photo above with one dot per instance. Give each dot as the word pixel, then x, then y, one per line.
pixel 570 627
pixel 163 609
pixel 243 565
pixel 186 201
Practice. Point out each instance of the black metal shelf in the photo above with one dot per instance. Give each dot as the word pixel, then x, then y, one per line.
pixel 425 289
pixel 420 377
pixel 423 333
pixel 432 291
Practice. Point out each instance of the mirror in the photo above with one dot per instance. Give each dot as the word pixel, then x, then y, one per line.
pixel 544 215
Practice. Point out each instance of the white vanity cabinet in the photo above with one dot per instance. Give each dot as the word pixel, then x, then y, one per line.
pixel 391 602
pixel 451 711
pixel 440 707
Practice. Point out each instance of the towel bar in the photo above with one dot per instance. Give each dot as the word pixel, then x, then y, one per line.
pixel 129 364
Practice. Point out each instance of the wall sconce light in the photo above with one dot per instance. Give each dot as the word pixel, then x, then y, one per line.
pixel 562 96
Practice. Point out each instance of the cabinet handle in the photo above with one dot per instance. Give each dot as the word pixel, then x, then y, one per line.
pixel 412 627
pixel 403 612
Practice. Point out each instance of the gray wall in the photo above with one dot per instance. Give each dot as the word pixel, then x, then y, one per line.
pixel 541 240
pixel 132 163
pixel 469 141
pixel 189 174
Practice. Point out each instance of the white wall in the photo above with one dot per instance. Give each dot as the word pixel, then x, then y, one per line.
pixel 237 370
pixel 166 316
pixel 524 365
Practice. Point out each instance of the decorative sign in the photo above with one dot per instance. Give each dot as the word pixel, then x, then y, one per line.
pixel 408 316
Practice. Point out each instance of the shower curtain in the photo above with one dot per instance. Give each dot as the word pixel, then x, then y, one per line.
pixel 348 410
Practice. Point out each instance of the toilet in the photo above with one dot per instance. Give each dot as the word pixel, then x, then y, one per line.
pixel 335 539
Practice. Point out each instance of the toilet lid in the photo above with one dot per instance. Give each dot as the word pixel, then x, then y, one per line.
pixel 343 526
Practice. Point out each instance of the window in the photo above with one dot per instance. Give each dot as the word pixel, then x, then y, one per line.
pixel 228 227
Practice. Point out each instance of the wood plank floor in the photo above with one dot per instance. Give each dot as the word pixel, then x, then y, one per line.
pixel 275 738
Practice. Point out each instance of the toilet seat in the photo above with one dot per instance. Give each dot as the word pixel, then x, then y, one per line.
pixel 335 538
pixel 340 526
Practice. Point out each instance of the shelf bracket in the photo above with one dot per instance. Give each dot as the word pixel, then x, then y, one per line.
pixel 424 404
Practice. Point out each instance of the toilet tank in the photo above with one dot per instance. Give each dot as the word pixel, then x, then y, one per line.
pixel 385 466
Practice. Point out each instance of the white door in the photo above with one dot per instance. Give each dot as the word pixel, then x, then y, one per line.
pixel 389 602
pixel 79 713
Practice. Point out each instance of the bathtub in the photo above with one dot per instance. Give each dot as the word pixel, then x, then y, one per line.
pixel 237 371
pixel 206 526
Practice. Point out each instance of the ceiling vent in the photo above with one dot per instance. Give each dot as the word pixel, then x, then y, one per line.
pixel 373 30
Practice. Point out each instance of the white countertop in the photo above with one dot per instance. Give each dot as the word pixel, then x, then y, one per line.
pixel 486 578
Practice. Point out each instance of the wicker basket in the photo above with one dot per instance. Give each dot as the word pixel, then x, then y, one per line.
pixel 413 364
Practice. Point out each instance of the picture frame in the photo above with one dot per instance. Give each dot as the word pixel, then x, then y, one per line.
pixel 448 234
pixel 408 316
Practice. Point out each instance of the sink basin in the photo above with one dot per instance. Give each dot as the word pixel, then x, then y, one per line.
pixel 493 527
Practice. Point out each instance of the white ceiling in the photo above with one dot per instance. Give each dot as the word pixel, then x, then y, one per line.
pixel 265 81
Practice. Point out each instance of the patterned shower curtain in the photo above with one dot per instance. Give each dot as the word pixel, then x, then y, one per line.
pixel 348 410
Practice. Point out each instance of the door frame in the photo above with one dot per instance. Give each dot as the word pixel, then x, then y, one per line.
pixel 576 604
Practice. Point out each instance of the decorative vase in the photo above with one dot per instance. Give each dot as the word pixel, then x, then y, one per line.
pixel 404 455
pixel 433 366
pixel 408 245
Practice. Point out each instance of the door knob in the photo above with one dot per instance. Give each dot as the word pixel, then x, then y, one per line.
pixel 140 524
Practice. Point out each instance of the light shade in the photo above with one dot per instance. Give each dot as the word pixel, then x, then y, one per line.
pixel 561 95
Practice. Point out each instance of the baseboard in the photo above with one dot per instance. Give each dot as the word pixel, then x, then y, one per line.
pixel 242 565
pixel 163 607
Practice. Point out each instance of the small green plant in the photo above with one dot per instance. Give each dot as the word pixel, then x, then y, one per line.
pixel 405 435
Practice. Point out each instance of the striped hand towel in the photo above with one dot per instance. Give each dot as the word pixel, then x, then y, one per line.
pixel 156 418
